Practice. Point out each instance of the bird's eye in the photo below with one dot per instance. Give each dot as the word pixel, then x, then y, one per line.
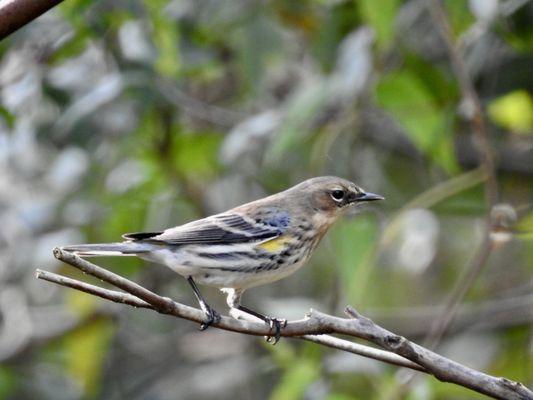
pixel 337 194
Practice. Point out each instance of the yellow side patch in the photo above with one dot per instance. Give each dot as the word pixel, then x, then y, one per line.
pixel 276 244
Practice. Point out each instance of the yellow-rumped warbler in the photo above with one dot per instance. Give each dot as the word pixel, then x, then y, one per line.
pixel 250 245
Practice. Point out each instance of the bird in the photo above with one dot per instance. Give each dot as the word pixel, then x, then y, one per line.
pixel 247 246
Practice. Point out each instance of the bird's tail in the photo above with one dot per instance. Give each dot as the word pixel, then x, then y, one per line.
pixel 107 249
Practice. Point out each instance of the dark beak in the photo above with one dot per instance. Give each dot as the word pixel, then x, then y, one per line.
pixel 368 197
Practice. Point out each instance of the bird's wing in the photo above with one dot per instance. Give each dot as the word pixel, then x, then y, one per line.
pixel 226 228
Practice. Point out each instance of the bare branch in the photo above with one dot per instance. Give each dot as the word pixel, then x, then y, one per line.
pixel 112 295
pixel 362 350
pixel 441 367
pixel 14 14
pixel 312 328
pixel 330 341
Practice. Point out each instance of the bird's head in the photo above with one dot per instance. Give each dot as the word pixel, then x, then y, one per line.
pixel 328 197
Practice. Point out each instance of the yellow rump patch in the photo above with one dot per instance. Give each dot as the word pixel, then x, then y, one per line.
pixel 276 244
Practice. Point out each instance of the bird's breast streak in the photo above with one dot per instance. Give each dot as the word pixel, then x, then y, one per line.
pixel 276 244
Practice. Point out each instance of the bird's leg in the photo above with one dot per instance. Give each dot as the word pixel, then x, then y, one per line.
pixel 273 323
pixel 234 302
pixel 213 317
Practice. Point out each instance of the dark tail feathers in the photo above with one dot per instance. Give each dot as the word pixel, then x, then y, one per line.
pixel 140 235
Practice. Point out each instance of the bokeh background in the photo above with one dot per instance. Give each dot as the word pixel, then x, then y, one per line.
pixel 121 116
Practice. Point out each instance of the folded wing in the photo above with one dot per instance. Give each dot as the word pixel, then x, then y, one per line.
pixel 224 228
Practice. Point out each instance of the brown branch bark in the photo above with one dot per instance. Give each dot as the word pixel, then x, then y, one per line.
pixel 14 14
pixel 399 351
pixel 326 340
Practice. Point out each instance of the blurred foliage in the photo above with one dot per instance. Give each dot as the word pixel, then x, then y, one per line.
pixel 513 111
pixel 126 116
pixel 407 98
pixel 301 369
pixel 86 349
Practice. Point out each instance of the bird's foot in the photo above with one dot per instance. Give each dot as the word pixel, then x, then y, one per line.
pixel 212 317
pixel 277 325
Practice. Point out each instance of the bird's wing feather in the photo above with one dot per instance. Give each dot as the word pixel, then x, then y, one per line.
pixel 226 228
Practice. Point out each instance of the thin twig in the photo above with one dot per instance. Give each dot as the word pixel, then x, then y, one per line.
pixel 362 350
pixel 112 295
pixel 315 323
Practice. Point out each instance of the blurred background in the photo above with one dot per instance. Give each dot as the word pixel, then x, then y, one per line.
pixel 120 116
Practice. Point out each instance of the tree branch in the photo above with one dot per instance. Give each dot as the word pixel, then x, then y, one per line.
pixel 326 340
pixel 14 14
pixel 399 351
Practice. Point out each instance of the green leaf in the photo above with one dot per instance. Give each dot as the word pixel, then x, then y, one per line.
pixel 75 10
pixel 524 227
pixel 354 242
pixel 7 117
pixel 166 38
pixel 7 382
pixel 340 396
pixel 196 155
pixel 191 154
pixel 380 14
pixel 405 96
pixel 459 16
pixel 296 380
pixel 442 88
pixel 81 303
pixel 72 47
pixel 513 111
pixel 86 348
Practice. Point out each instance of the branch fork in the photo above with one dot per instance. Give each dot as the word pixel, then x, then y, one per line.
pixel 315 327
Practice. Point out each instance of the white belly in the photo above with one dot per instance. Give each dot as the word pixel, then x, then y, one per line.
pixel 245 280
pixel 221 273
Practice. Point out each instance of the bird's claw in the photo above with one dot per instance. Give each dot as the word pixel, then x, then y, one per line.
pixel 276 324
pixel 212 317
